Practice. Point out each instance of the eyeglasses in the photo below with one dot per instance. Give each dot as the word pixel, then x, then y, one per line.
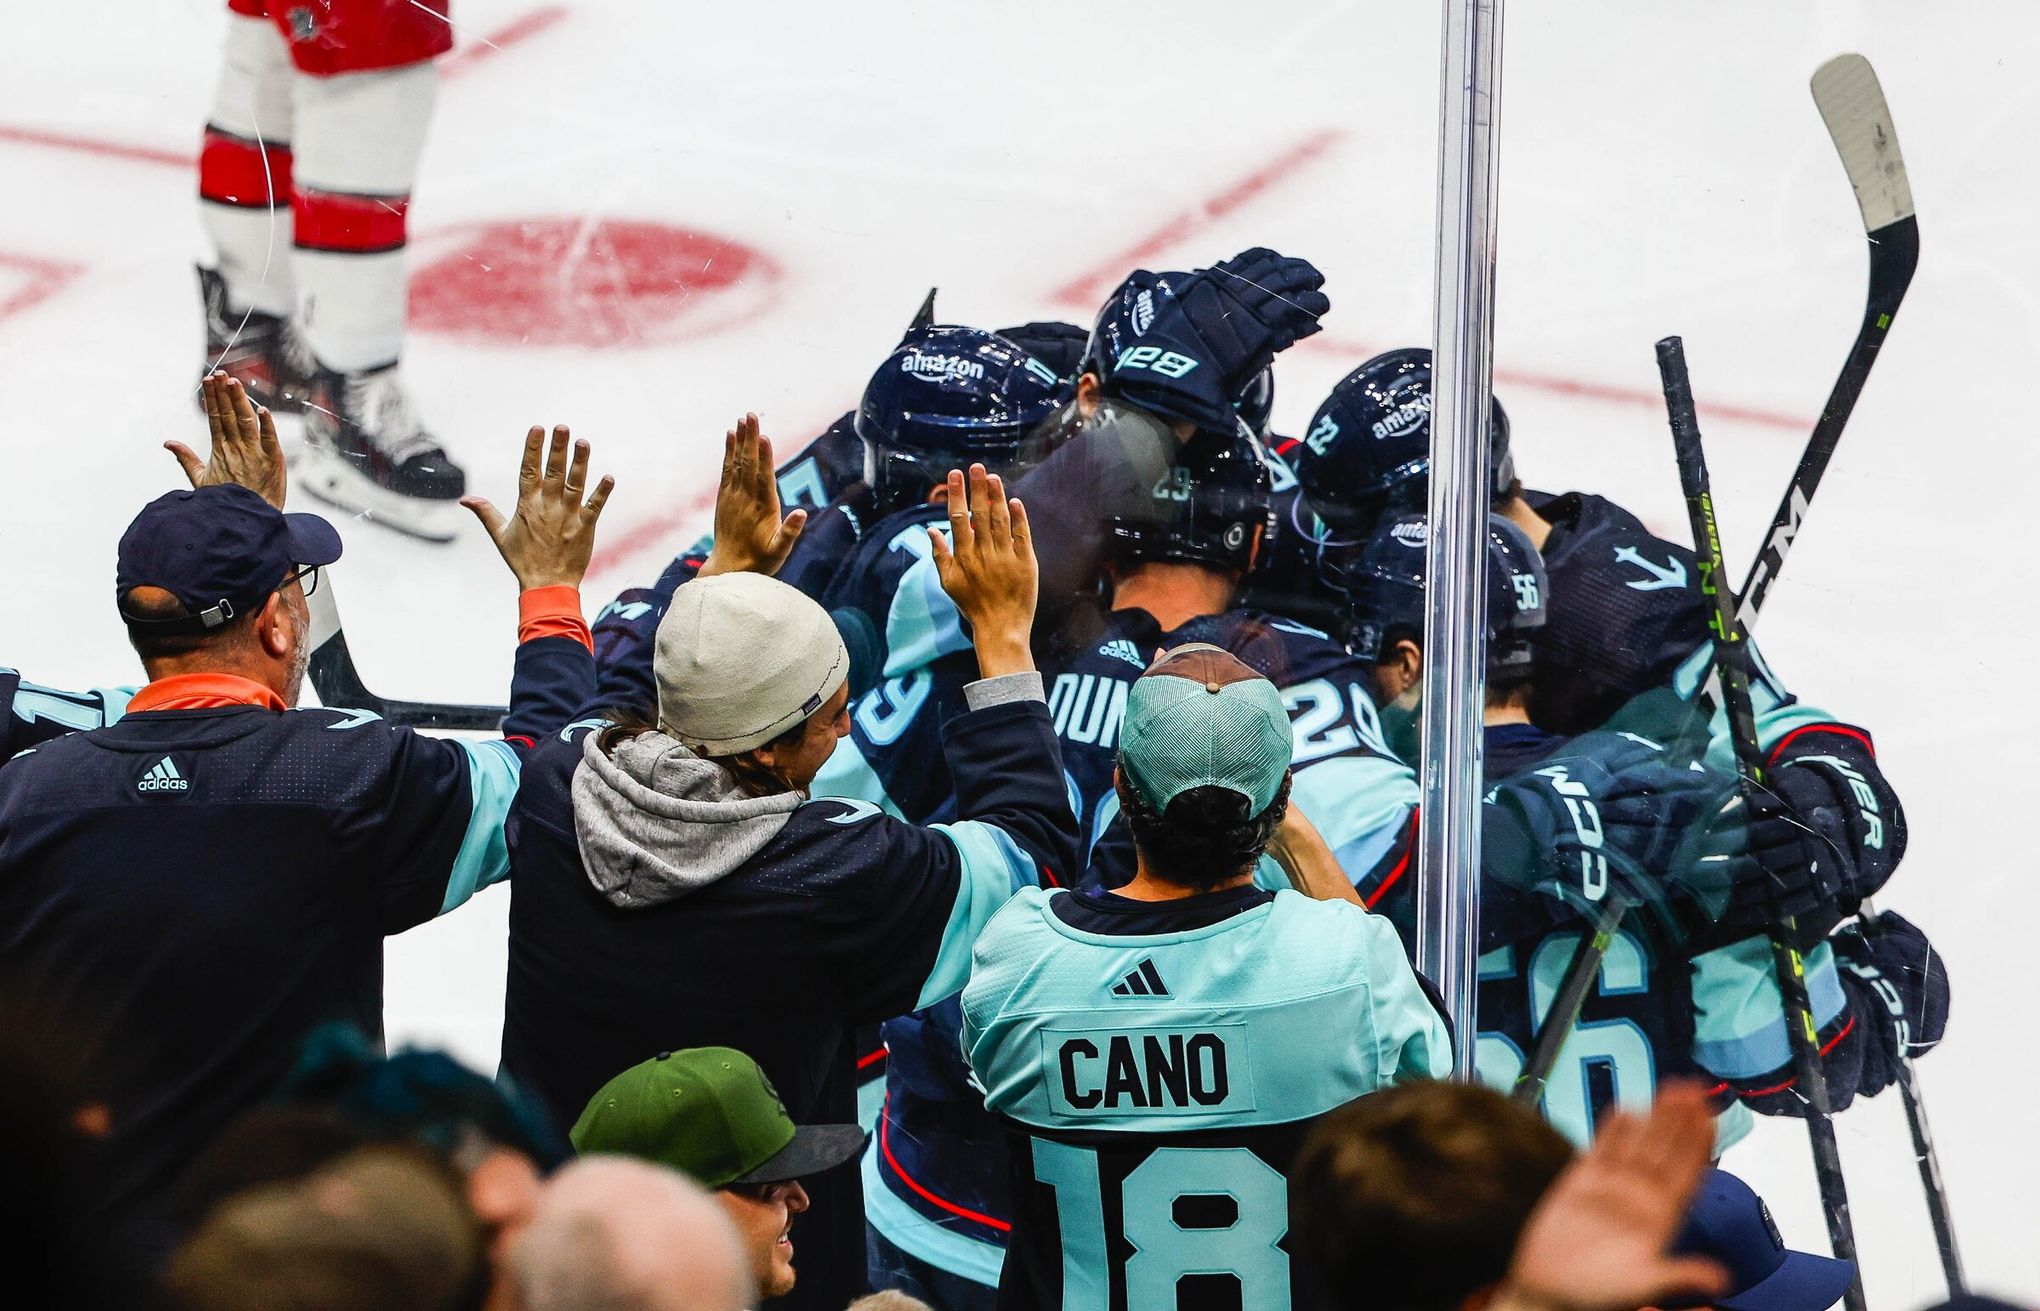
pixel 306 574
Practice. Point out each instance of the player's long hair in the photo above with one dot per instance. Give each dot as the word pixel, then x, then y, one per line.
pixel 1205 837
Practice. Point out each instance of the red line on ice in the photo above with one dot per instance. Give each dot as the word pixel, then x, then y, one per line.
pixel 46 277
pixel 516 31
pixel 1557 384
pixel 30 136
pixel 1084 291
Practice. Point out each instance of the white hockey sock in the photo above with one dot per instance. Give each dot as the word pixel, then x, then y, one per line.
pixel 244 170
pixel 359 137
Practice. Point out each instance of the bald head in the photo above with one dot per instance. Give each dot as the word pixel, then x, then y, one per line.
pixel 614 1233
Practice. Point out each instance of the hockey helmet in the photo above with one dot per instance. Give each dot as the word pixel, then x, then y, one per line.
pixel 948 396
pixel 1384 590
pixel 1367 452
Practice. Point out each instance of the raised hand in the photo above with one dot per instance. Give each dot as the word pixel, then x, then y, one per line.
pixel 244 445
pixel 1598 1239
pixel 750 534
pixel 548 540
pixel 988 569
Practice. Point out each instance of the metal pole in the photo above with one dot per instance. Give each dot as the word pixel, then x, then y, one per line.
pixel 1455 633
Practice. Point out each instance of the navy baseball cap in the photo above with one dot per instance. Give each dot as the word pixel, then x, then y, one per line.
pixel 220 550
pixel 1730 1223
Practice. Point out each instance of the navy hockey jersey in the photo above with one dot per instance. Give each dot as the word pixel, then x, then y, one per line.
pixel 1159 1063
pixel 189 891
pixel 36 714
pixel 1659 1009
pixel 936 1183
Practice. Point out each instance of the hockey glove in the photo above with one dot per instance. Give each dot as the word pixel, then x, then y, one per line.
pixel 1211 333
pixel 1898 989
pixel 1613 806
pixel 1829 778
pixel 1790 874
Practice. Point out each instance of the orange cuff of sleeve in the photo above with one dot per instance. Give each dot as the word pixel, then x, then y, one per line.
pixel 552 612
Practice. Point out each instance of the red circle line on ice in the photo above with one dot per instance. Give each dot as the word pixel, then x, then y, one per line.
pixel 572 281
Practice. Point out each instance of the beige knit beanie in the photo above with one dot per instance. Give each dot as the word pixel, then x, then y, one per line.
pixel 741 659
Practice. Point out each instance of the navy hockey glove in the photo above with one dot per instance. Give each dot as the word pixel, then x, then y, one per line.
pixel 1898 990
pixel 1211 333
pixel 1614 806
pixel 1828 776
pixel 1790 873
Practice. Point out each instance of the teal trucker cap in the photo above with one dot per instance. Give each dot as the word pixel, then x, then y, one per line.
pixel 1201 717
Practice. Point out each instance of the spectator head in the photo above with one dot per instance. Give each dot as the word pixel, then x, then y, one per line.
pixel 382 1227
pixel 1730 1224
pixel 753 674
pixel 1416 1195
pixel 214 580
pixel 711 1113
pixel 1203 766
pixel 612 1234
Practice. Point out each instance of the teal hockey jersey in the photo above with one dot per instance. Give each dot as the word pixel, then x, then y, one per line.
pixel 1158 1064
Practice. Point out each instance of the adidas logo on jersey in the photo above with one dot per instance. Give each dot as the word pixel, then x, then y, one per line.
pixel 1145 981
pixel 1120 648
pixel 163 777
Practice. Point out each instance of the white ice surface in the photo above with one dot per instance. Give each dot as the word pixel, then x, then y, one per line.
pixel 1664 171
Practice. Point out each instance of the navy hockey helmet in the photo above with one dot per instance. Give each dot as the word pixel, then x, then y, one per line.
pixel 948 396
pixel 1057 344
pixel 1384 589
pixel 1368 450
pixel 1124 319
pixel 1211 505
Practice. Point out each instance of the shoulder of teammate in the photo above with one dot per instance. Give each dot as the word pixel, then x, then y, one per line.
pixel 892 587
pixel 31 713
pixel 1626 611
pixel 1413 1039
pixel 825 468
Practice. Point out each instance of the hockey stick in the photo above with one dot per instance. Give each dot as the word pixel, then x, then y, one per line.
pixel 1851 104
pixel 339 684
pixel 1929 1159
pixel 1731 660
pixel 1564 1011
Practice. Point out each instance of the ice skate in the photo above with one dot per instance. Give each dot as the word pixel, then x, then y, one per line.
pixel 366 452
pixel 263 351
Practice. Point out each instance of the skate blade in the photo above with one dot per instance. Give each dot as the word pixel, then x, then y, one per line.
pixel 339 484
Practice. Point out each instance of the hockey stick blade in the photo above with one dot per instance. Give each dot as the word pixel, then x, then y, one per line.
pixel 339 684
pixel 1851 103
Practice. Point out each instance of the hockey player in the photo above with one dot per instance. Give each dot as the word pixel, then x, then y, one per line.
pixel 1686 985
pixel 936 1187
pixel 947 397
pixel 1627 617
pixel 1159 1052
pixel 310 156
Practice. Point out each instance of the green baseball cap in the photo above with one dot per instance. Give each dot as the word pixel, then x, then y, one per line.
pixel 710 1112
pixel 1202 717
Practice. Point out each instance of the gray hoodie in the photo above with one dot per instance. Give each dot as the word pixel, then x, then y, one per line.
pixel 654 821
